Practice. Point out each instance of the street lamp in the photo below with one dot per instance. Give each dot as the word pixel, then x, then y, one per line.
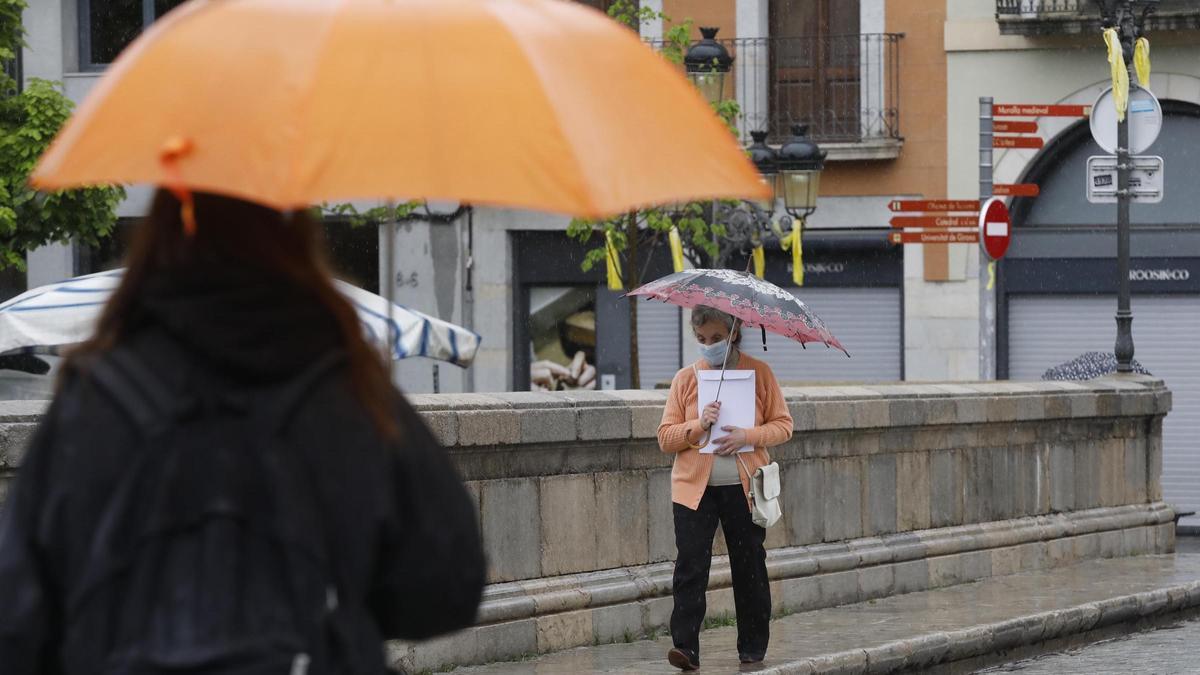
pixel 800 163
pixel 707 62
pixel 1122 16
pixel 766 160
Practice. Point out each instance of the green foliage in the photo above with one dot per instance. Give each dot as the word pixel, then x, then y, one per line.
pixel 373 216
pixel 700 237
pixel 28 122
pixel 28 219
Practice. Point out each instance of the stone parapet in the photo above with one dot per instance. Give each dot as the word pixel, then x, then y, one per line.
pixel 886 489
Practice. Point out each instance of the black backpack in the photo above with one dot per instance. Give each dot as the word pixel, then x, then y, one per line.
pixel 211 556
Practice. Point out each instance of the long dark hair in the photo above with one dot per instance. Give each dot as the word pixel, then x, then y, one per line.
pixel 287 246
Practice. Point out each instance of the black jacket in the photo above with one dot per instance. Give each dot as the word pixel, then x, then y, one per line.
pixel 401 521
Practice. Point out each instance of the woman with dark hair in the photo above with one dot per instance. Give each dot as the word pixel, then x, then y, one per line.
pixel 707 489
pixel 226 481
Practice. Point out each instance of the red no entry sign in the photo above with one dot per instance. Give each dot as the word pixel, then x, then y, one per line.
pixel 995 228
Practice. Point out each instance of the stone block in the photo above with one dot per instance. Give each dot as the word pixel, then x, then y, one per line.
pixel 907 413
pixel 1001 409
pixel 976 565
pixel 1005 561
pixel 978 504
pixel 622 519
pixel 604 423
pixel 1083 405
pixel 506 641
pixel 489 427
pixel 645 422
pixel 617 623
pixel 911 576
pixel 946 488
pixel 881 495
pixel 461 647
pixel 970 410
pixel 1087 475
pixel 1154 457
pixel 801 595
pixel 719 547
pixel 889 657
pixel 1110 544
pixel 1164 538
pixel 564 630
pixel 719 604
pixel 1004 489
pixel 656 612
pixel 1057 406
pixel 1137 540
pixel 1032 556
pixel 568 508
pixel 778 534
pixel 803 495
pixel 554 425
pixel 876 582
pixel 511 529
pixel 829 415
pixel 838 588
pixel 803 415
pixel 843 493
pixel 946 570
pixel 913 480
pixel 443 424
pixel 1135 471
pixel 1060 552
pixel 660 516
pixel 1062 477
pixel 871 414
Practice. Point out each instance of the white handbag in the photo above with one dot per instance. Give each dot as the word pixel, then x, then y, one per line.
pixel 765 509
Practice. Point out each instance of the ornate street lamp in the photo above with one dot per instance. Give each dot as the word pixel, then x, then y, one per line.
pixel 800 163
pixel 766 160
pixel 707 63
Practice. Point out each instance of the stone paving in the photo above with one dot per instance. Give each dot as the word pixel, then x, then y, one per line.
pixel 1168 650
pixel 957 622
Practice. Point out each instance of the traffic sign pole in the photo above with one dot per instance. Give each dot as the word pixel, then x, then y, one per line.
pixel 1123 347
pixel 987 296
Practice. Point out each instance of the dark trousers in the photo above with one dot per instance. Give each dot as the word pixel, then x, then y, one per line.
pixel 694 531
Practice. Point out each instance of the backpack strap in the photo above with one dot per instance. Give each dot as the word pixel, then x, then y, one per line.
pixel 136 388
pixel 287 399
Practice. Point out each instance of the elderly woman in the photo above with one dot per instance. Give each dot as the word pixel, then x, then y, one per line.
pixel 711 488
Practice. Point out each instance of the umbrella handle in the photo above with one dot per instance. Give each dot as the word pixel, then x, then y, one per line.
pixel 728 341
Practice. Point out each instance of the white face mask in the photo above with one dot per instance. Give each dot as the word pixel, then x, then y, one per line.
pixel 714 353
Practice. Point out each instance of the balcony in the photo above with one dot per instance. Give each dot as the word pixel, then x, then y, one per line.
pixel 846 88
pixel 1069 17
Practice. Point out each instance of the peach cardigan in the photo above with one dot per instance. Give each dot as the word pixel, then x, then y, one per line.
pixel 680 430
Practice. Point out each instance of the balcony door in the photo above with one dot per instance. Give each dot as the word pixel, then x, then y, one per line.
pixel 815 68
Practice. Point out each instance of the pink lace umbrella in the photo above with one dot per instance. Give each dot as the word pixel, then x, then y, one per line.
pixel 748 299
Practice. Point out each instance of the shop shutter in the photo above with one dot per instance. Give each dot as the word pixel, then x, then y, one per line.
pixel 1046 330
pixel 658 342
pixel 865 320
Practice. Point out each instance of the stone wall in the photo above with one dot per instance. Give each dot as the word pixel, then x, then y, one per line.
pixel 887 489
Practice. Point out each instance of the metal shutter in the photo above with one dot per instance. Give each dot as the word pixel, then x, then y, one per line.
pixel 1046 330
pixel 865 320
pixel 658 342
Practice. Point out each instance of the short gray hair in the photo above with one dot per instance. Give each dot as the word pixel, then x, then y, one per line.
pixel 702 314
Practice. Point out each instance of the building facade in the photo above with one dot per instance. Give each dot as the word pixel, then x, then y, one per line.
pixel 1055 291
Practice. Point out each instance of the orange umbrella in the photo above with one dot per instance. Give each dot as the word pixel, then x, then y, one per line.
pixel 538 104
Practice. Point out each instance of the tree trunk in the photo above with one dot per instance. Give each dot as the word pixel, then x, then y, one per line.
pixel 631 282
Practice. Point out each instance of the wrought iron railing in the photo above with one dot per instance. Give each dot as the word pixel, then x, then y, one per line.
pixel 1049 17
pixel 845 87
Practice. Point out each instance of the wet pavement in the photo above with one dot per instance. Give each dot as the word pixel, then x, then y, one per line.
pixel 1169 649
pixel 799 638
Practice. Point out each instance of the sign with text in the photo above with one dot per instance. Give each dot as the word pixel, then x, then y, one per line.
pixel 1016 190
pixel 1015 127
pixel 1145 179
pixel 1033 110
pixel 934 237
pixel 933 205
pixel 995 228
pixel 1017 142
pixel 933 221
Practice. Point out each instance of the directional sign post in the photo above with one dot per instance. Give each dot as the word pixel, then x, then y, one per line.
pixel 1027 110
pixel 933 205
pixel 1015 190
pixel 934 237
pixel 995 228
pixel 934 222
pixel 1017 142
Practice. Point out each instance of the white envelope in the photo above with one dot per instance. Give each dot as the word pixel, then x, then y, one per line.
pixel 738 402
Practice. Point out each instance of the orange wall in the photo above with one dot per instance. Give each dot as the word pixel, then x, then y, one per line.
pixel 718 13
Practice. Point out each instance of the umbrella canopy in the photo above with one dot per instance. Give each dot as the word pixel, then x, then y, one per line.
pixel 538 104
pixel 45 318
pixel 752 300
pixel 1088 366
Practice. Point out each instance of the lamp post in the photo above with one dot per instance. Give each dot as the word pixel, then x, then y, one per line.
pixel 1122 16
pixel 800 164
pixel 707 62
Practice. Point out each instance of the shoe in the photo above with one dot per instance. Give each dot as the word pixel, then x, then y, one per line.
pixel 682 660
pixel 749 658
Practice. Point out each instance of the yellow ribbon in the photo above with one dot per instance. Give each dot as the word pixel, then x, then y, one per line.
pixel 614 264
pixel 1141 61
pixel 760 261
pixel 676 249
pixel 793 242
pixel 1120 74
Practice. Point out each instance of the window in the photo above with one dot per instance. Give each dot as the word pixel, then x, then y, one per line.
pixel 108 26
pixel 815 67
